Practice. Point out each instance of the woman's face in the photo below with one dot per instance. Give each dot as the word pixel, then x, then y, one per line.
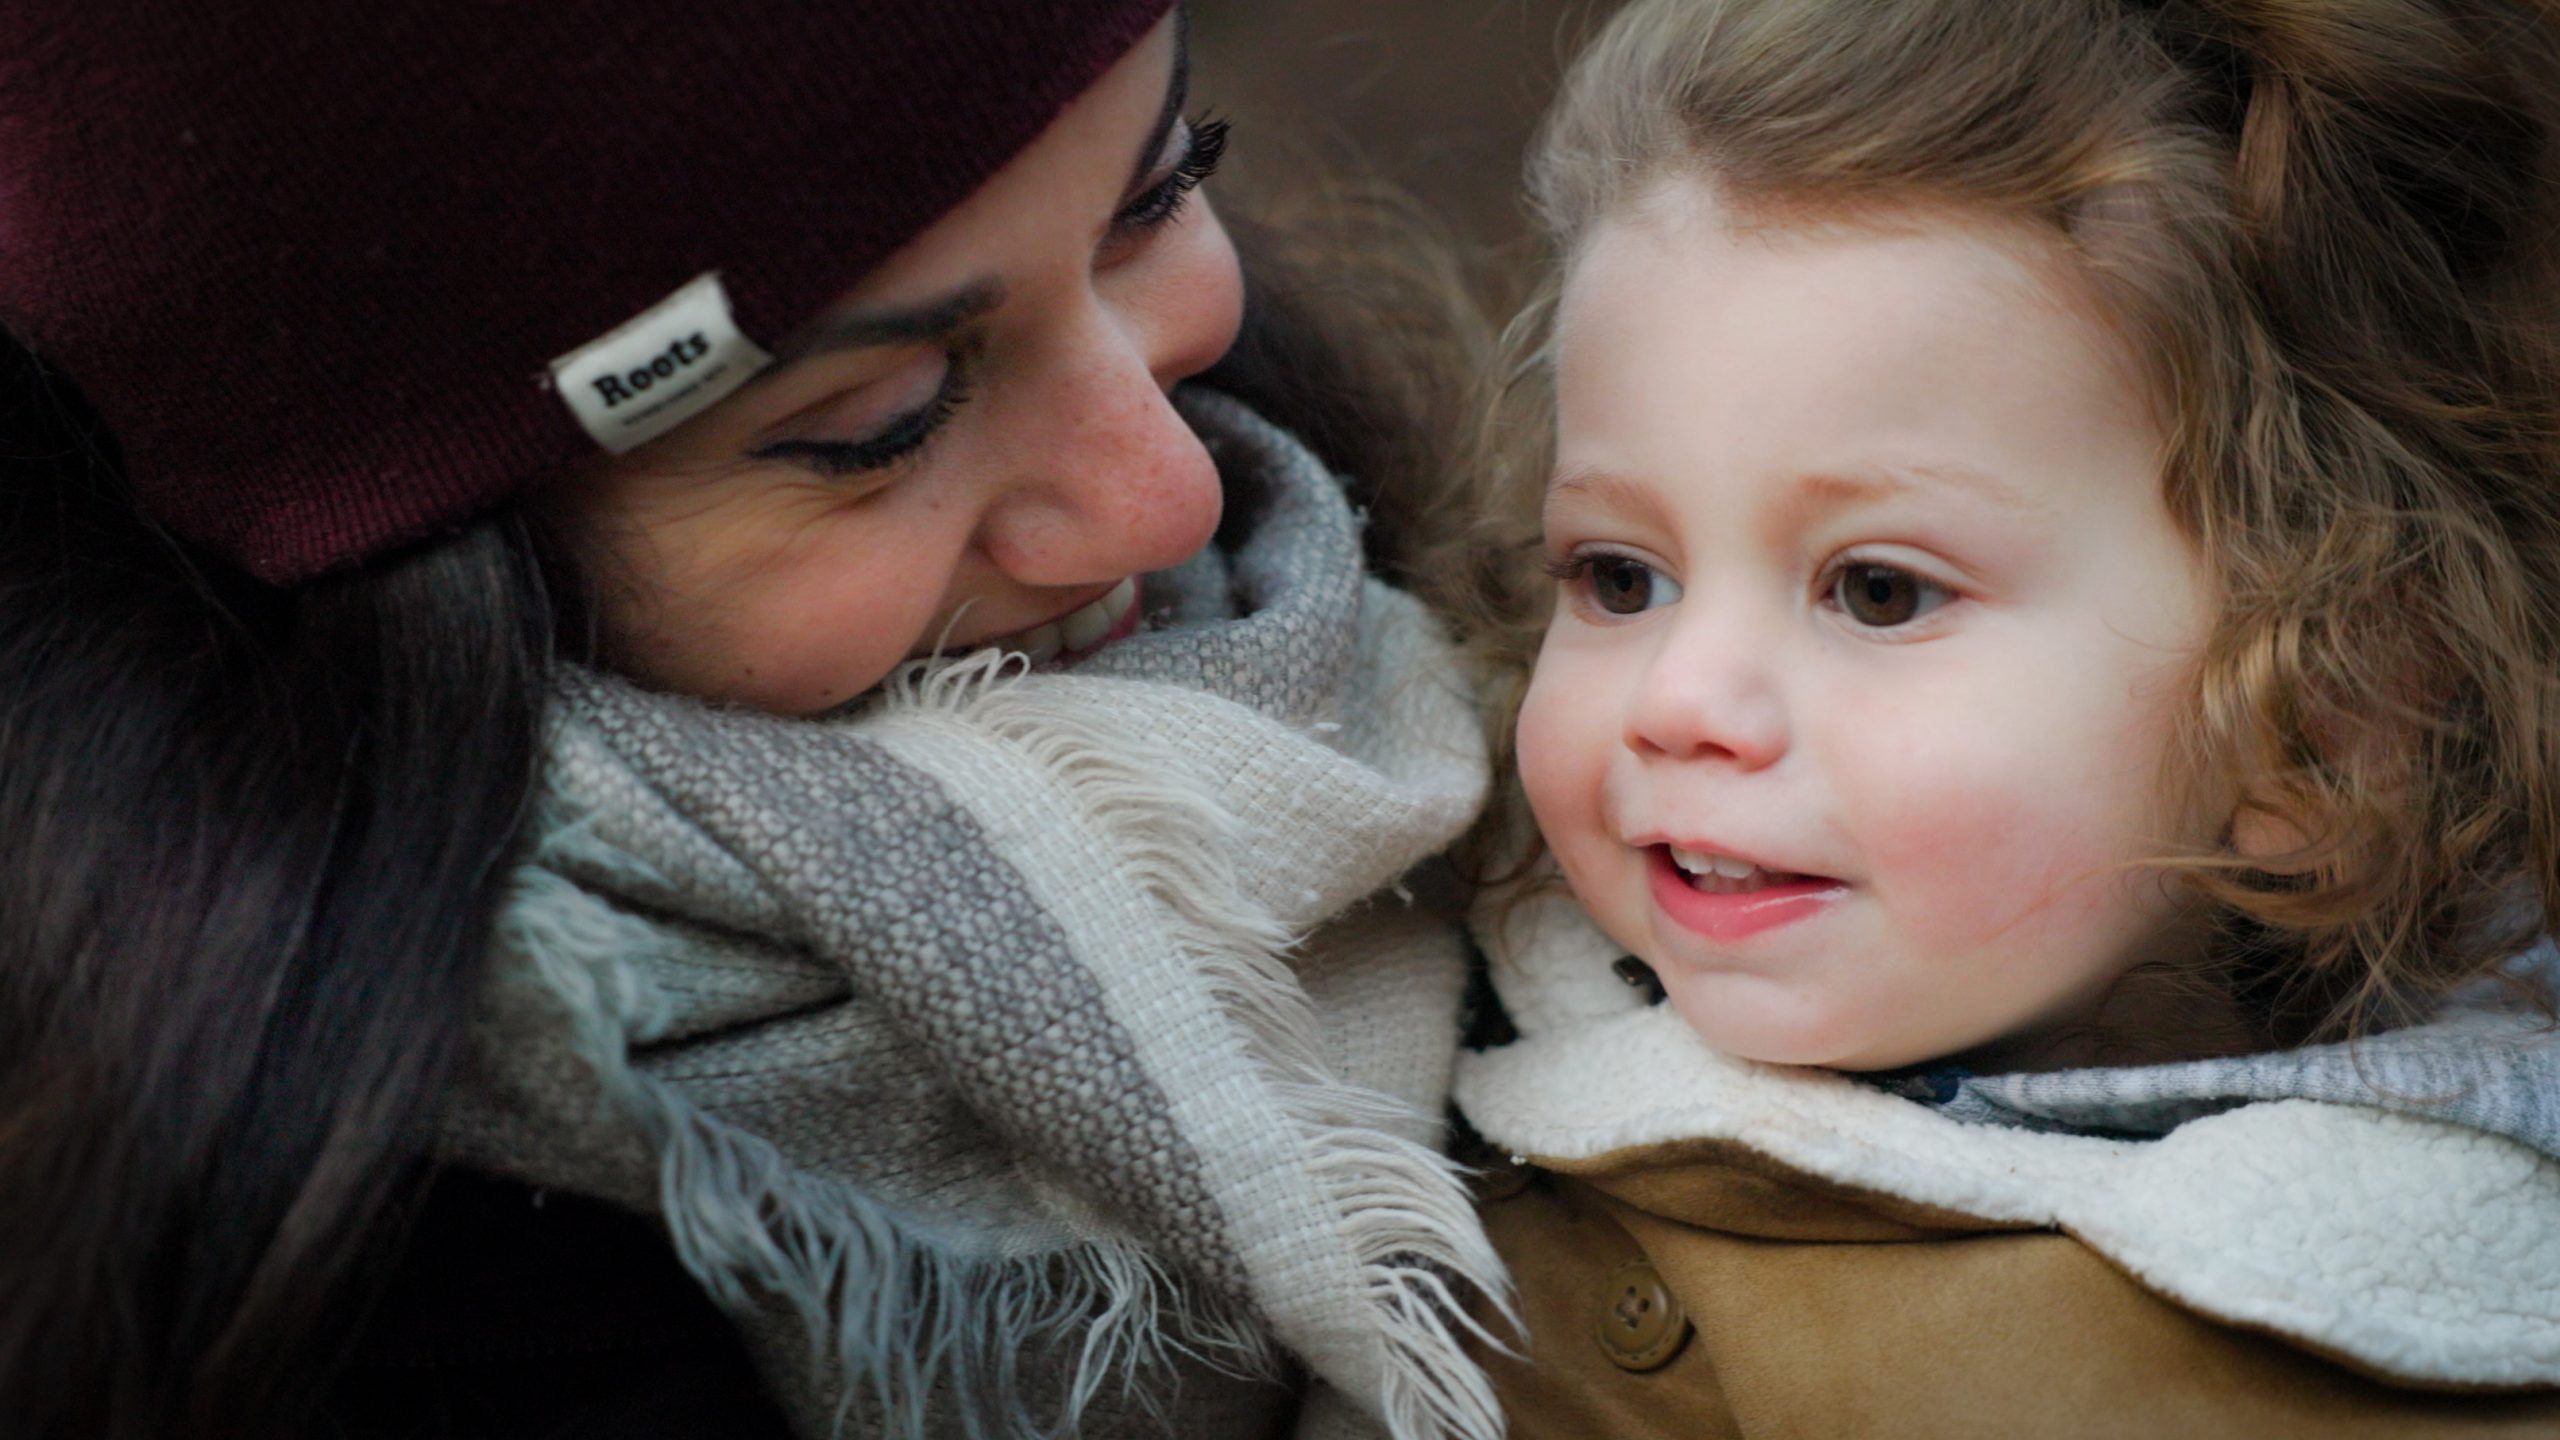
pixel 973 446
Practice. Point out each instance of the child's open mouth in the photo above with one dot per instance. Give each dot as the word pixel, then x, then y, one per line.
pixel 1726 899
pixel 1724 875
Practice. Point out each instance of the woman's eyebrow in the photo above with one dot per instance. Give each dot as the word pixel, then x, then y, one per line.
pixel 1177 90
pixel 931 321
pixel 935 320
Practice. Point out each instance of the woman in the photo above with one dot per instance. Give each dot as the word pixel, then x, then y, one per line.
pixel 488 491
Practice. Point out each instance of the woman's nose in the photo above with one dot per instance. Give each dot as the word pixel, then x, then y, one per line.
pixel 1115 485
pixel 1125 487
pixel 1709 691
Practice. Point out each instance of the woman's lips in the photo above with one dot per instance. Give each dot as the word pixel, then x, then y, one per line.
pixel 1080 631
pixel 1731 909
pixel 1122 625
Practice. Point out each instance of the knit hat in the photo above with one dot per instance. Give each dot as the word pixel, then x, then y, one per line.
pixel 333 272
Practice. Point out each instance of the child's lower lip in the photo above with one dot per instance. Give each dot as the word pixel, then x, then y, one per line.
pixel 1734 917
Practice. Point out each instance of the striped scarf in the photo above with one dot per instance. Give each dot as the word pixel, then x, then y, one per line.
pixel 1025 1052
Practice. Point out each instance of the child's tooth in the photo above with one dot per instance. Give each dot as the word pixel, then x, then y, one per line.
pixel 1732 869
pixel 1084 629
pixel 1041 644
pixel 1690 861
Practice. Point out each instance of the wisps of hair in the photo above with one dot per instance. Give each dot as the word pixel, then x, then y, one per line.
pixel 2328 226
pixel 253 844
pixel 1363 335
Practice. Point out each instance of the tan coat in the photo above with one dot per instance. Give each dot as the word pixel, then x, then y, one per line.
pixel 1698 1290
pixel 1705 1248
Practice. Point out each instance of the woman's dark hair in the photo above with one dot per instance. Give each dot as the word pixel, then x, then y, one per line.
pixel 255 838
pixel 1363 337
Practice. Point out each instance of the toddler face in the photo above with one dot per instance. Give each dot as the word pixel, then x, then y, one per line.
pixel 1856 700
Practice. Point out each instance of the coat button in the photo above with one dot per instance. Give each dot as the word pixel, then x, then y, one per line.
pixel 1502 1178
pixel 1640 1324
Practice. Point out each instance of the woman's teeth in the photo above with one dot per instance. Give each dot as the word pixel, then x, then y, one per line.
pixel 1722 874
pixel 1081 630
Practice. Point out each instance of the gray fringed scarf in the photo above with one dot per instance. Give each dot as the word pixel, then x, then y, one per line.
pixel 1023 1045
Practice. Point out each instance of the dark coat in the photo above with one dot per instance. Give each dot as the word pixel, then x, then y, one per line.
pixel 512 1312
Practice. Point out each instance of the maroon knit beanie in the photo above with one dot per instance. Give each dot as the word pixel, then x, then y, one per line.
pixel 313 260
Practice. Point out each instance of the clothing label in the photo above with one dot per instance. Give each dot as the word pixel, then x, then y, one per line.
pixel 659 369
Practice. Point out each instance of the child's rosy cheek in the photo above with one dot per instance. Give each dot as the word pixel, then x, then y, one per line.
pixel 1557 772
pixel 1966 853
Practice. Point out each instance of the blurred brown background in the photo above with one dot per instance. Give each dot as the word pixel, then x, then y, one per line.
pixel 1436 96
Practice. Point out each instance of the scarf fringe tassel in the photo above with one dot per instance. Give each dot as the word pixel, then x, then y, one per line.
pixel 1401 1207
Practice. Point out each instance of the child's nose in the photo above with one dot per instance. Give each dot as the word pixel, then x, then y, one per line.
pixel 1708 694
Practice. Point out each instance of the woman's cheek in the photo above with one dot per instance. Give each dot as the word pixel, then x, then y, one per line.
pixel 1193 294
pixel 1213 292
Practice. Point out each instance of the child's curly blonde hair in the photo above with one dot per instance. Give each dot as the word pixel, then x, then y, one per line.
pixel 2328 227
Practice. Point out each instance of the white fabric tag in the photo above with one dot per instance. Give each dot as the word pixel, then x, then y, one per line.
pixel 660 368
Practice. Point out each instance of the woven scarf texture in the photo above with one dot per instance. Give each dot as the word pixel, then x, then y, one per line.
pixel 1044 1053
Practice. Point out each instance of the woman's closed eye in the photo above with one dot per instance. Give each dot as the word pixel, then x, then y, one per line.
pixel 877 425
pixel 886 421
pixel 1204 143
pixel 1615 584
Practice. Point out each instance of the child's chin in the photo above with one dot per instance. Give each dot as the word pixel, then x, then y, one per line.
pixel 1731 1027
pixel 1822 1041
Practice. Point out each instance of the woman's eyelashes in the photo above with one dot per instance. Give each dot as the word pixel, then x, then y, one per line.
pixel 902 435
pixel 892 440
pixel 1204 144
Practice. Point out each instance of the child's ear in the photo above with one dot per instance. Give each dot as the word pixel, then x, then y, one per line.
pixel 2259 803
pixel 2335 787
pixel 2321 729
pixel 2268 837
pixel 2268 812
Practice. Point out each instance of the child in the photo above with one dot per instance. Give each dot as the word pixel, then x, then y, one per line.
pixel 2051 683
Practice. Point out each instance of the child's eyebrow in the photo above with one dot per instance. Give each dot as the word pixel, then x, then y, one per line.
pixel 1811 491
pixel 1831 488
pixel 1604 488
pixel 1817 493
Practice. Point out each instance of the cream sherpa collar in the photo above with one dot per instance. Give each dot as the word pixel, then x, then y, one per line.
pixel 2424 1250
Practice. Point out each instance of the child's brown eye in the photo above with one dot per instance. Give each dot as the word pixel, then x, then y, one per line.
pixel 1617 584
pixel 1881 597
pixel 1625 587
